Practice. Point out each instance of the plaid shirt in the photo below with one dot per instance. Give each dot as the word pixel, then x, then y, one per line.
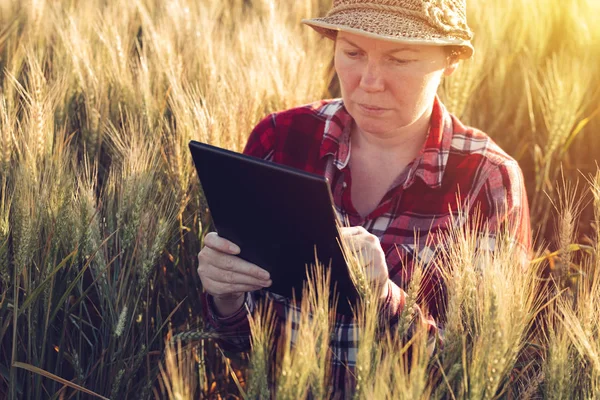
pixel 458 168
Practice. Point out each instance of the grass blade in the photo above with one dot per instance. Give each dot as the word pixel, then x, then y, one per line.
pixel 49 375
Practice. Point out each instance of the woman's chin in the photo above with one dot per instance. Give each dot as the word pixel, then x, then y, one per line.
pixel 374 126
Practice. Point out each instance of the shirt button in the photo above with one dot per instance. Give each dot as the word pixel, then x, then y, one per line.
pixel 344 185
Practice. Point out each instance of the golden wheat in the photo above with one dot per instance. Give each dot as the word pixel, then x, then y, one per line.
pixel 101 213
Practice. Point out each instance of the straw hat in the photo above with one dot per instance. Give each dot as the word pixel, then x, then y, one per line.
pixel 429 22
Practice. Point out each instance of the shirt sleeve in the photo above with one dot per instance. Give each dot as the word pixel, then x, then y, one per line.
pixel 501 205
pixel 395 311
pixel 261 142
pixel 233 332
pixel 502 202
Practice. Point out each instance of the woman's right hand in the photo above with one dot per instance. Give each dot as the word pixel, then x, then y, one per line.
pixel 227 277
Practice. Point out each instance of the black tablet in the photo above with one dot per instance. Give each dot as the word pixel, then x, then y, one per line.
pixel 278 216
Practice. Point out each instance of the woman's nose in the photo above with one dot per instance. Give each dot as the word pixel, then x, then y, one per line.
pixel 372 79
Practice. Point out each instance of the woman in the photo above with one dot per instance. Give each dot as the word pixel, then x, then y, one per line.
pixel 397 161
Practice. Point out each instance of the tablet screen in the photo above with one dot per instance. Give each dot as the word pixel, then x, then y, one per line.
pixel 278 216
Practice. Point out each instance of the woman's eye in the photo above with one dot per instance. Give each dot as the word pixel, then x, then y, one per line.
pixel 398 61
pixel 352 54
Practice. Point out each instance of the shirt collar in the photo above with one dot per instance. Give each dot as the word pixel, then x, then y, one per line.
pixel 336 136
pixel 429 165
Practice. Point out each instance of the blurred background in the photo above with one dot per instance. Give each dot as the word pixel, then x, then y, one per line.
pixel 101 216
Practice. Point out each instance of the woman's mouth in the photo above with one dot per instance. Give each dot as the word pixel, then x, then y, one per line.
pixel 369 109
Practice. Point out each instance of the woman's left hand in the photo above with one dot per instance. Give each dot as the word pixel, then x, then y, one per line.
pixel 372 254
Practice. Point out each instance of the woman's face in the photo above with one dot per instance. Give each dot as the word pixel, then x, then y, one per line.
pixel 385 85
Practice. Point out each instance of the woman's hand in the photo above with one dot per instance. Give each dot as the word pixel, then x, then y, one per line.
pixel 227 277
pixel 360 240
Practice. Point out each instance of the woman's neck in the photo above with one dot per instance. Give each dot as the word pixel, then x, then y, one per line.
pixel 405 141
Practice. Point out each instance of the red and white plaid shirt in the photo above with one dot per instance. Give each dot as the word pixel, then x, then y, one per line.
pixel 458 168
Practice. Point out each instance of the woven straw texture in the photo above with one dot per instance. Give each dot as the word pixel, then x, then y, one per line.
pixel 436 22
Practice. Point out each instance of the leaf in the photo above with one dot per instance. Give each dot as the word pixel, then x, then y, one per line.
pixel 570 249
pixel 579 128
pixel 77 278
pixel 56 378
pixel 33 296
pixel 166 321
pixel 233 375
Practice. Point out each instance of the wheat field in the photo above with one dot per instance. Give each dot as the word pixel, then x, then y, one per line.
pixel 101 216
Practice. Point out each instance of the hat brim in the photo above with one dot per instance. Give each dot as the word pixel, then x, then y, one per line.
pixel 390 27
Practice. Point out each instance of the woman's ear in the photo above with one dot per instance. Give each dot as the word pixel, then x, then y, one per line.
pixel 451 67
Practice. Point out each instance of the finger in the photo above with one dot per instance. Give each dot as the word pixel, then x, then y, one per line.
pixel 373 274
pixel 355 242
pixel 364 254
pixel 214 241
pixel 378 281
pixel 351 245
pixel 236 278
pixel 214 263
pixel 352 230
pixel 364 239
pixel 220 289
pixel 235 264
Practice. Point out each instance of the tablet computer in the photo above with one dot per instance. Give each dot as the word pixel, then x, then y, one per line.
pixel 279 216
